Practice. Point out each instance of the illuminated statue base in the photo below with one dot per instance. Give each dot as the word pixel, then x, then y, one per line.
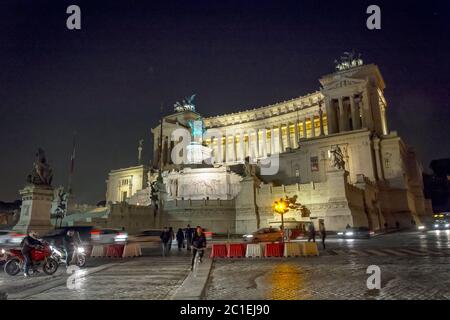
pixel 35 211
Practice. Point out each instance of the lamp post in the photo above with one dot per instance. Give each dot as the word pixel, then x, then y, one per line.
pixel 281 207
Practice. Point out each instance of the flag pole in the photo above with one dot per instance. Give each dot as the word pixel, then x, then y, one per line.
pixel 72 165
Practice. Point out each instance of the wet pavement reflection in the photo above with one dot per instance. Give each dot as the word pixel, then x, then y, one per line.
pixel 286 282
pixel 414 265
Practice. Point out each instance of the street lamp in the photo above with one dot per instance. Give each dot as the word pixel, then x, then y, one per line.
pixel 281 207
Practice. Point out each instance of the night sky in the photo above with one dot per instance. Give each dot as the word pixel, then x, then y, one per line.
pixel 109 80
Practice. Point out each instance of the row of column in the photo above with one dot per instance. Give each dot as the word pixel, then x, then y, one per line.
pixel 256 144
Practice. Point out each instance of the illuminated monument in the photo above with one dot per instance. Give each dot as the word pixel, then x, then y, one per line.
pixel 336 154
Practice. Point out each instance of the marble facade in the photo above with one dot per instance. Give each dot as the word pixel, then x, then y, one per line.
pixel 380 183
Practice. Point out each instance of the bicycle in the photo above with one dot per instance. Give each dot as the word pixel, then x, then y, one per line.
pixel 197 261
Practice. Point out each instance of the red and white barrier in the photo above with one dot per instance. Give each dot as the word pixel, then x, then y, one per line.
pixel 236 250
pixel 218 250
pixel 254 250
pixel 98 251
pixel 274 250
pixel 132 250
pixel 267 249
pixel 128 250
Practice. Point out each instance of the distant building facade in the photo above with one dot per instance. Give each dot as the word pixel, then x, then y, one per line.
pixel 123 183
pixel 376 179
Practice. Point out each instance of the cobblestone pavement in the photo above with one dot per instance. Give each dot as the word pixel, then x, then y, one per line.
pixel 329 278
pixel 18 283
pixel 142 278
pixel 413 266
pixel 383 252
pixel 431 240
pixel 148 277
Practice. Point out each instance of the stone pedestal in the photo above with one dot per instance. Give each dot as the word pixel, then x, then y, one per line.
pixel 338 213
pixel 35 211
pixel 345 202
pixel 248 218
pixel 337 181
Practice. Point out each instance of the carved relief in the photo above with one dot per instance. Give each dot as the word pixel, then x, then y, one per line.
pixel 201 185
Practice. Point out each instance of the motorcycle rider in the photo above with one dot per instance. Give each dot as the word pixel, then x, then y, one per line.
pixel 70 242
pixel 29 243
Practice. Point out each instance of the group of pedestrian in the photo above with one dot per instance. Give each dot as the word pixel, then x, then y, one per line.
pixel 189 238
pixel 167 236
pixel 184 238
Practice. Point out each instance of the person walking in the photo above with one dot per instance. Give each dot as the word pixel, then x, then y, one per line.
pixel 180 238
pixel 171 237
pixel 165 241
pixel 70 242
pixel 188 235
pixel 312 232
pixel 323 232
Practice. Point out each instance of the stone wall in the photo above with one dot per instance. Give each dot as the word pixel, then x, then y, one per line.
pixel 371 202
pixel 131 218
pixel 403 198
pixel 335 201
pixel 251 214
pixel 218 216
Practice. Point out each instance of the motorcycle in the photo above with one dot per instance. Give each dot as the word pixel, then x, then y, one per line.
pixel 60 255
pixel 41 257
